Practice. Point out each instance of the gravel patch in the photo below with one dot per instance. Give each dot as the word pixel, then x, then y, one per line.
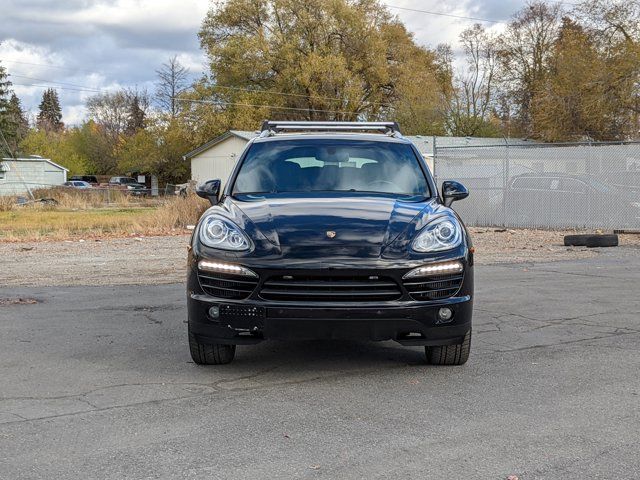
pixel 161 260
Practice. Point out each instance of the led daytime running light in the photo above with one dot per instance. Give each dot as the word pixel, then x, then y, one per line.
pixel 435 269
pixel 209 266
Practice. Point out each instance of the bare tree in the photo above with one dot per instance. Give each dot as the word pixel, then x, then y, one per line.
pixel 525 51
pixel 172 81
pixel 614 20
pixel 113 110
pixel 473 95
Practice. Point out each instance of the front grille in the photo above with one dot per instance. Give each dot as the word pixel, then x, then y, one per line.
pixel 312 288
pixel 223 285
pixel 435 287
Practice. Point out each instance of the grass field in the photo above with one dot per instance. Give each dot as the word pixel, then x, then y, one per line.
pixel 42 222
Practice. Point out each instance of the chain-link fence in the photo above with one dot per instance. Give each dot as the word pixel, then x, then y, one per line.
pixel 573 185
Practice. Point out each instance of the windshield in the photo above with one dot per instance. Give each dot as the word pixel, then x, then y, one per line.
pixel 326 165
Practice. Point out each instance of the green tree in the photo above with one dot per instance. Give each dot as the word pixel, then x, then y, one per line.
pixel 18 123
pixel 50 112
pixel 139 153
pixel 96 146
pixel 316 60
pixel 157 149
pixel 136 119
pixel 6 124
pixel 58 146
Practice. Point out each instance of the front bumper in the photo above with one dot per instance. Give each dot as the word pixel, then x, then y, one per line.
pixel 254 319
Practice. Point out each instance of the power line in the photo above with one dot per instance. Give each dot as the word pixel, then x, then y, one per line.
pixel 440 14
pixel 57 87
pixel 301 95
pixel 214 102
pixel 52 81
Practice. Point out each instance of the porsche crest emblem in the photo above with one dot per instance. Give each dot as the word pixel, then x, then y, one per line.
pixel 331 234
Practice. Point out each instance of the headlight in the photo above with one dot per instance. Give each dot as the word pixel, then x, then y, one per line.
pixel 443 233
pixel 218 232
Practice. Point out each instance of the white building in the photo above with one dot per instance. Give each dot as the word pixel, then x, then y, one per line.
pixel 18 176
pixel 216 158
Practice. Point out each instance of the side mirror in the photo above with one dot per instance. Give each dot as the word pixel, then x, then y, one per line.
pixel 209 190
pixel 453 191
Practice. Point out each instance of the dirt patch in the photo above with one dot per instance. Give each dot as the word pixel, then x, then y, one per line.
pixel 158 260
pixel 500 245
pixel 112 261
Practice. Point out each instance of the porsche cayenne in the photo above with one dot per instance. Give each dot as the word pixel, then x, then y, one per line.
pixel 329 230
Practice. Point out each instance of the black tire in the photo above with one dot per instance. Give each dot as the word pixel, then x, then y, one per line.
pixel 450 354
pixel 602 241
pixel 214 354
pixel 576 240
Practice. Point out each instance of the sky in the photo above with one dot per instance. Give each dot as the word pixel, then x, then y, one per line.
pixel 83 47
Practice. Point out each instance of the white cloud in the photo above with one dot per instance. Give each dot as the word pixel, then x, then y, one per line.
pixel 83 46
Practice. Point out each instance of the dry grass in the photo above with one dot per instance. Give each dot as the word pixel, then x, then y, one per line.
pixel 177 213
pixel 72 220
pixel 72 198
pixel 76 199
pixel 7 203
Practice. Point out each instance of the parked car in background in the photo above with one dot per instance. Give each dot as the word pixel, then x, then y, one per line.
pixel 78 184
pixel 128 183
pixel 544 199
pixel 91 179
pixel 628 180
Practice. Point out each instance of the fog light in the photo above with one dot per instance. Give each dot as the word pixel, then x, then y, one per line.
pixel 445 268
pixel 220 267
pixel 214 312
pixel 445 314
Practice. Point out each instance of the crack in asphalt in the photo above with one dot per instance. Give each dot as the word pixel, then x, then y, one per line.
pixel 217 391
pixel 566 342
pixel 218 387
pixel 107 387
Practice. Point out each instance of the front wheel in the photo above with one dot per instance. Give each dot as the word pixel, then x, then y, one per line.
pixel 210 354
pixel 450 354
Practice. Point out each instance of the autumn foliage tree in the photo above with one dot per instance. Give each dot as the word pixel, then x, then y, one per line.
pixel 318 60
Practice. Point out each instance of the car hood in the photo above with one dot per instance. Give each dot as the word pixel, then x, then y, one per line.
pixel 303 225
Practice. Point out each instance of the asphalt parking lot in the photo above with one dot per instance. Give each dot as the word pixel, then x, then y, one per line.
pixel 96 382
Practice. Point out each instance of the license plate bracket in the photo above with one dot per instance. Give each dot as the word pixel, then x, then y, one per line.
pixel 242 317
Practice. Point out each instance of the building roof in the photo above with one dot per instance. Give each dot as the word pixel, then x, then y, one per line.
pixel 424 143
pixel 242 134
pixel 35 159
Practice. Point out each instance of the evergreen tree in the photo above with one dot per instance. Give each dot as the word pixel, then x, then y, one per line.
pixel 18 125
pixel 50 115
pixel 5 122
pixel 136 119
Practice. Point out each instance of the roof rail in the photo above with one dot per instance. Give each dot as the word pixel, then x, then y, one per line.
pixel 271 127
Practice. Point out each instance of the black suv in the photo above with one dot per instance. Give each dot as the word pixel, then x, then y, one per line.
pixel 330 230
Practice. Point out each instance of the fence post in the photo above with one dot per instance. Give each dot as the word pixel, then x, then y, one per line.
pixel 505 182
pixel 435 178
